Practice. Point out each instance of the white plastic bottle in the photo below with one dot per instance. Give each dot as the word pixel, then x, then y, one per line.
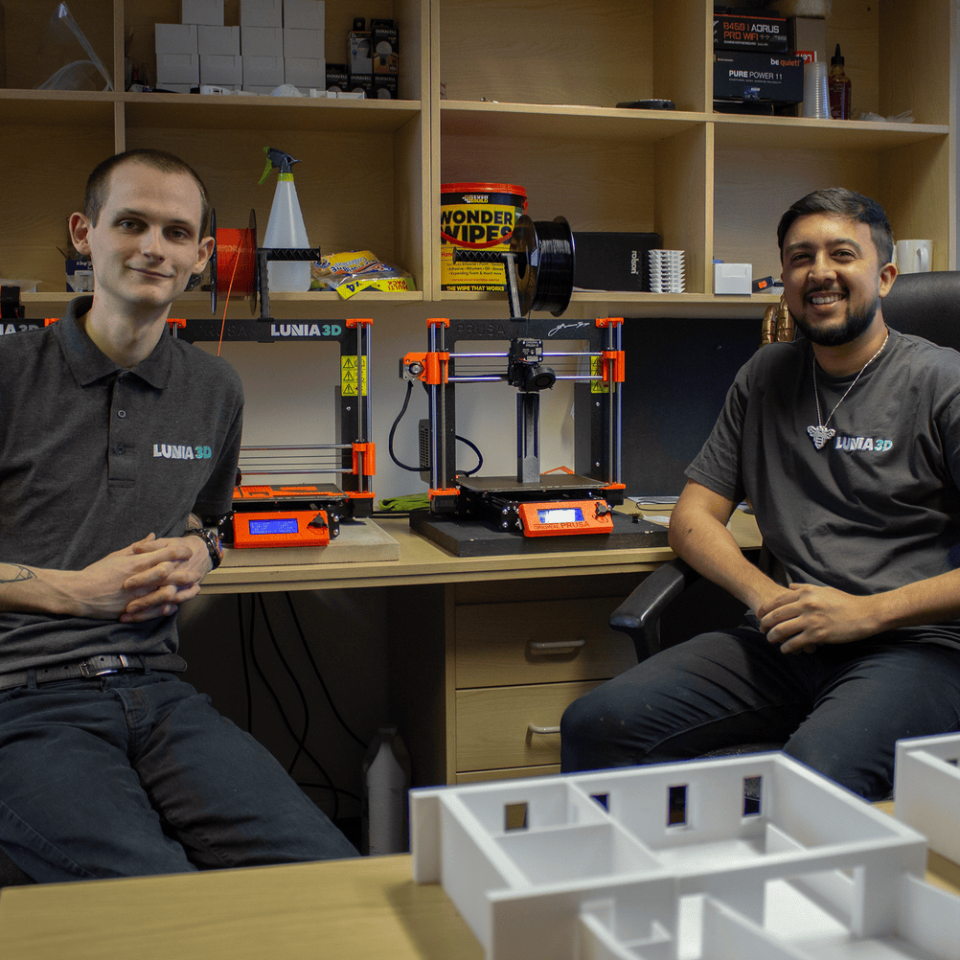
pixel 285 228
pixel 383 809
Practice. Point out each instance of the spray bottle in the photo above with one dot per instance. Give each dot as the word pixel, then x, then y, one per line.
pixel 285 228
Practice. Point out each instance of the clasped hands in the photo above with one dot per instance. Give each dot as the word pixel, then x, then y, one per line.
pixel 803 616
pixel 147 579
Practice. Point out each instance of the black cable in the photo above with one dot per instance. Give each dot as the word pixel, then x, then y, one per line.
pixel 243 659
pixel 303 698
pixel 316 670
pixel 287 724
pixel 476 450
pixel 393 431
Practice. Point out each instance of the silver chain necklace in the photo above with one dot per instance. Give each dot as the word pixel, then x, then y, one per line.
pixel 820 434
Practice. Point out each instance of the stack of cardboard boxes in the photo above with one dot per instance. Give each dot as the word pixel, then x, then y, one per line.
pixel 277 42
pixel 754 69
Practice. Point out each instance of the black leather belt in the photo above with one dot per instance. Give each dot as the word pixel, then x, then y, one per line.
pixel 93 667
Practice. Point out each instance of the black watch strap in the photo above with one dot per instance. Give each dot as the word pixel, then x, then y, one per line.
pixel 214 546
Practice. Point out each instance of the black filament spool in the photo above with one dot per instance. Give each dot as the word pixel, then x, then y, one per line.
pixel 546 264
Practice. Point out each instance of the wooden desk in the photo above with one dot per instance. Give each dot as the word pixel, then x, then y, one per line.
pixel 366 909
pixel 422 561
pixel 348 909
pixel 474 689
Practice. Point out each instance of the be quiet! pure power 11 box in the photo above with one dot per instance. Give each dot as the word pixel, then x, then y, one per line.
pixel 757 76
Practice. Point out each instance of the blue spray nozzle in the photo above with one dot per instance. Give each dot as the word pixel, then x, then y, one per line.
pixel 277 159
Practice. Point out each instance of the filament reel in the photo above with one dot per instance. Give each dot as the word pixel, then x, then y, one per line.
pixel 539 265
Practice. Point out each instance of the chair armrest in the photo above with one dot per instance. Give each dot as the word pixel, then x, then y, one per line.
pixel 639 615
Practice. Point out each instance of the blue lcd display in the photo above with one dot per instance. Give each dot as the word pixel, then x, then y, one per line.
pixel 260 528
pixel 561 515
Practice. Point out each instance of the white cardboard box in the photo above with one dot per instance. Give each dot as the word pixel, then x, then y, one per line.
pixel 304 14
pixel 304 71
pixel 176 38
pixel 181 68
pixel 261 42
pixel 303 44
pixel 734 278
pixel 222 71
pixel 218 41
pixel 264 72
pixel 261 13
pixel 209 12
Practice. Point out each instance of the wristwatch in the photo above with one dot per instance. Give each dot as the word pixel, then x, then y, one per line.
pixel 214 546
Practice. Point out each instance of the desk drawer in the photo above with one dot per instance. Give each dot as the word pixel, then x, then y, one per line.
pixel 539 642
pixel 494 725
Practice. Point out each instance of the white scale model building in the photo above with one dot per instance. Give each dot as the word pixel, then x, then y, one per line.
pixel 743 858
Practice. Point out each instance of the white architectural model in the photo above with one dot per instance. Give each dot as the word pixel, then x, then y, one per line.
pixel 743 858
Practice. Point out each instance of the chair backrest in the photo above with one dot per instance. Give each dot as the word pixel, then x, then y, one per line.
pixel 926 304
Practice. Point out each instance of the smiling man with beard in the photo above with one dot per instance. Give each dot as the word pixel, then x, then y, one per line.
pixel 846 443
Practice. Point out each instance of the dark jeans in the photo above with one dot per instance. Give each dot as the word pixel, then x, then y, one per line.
pixel 840 710
pixel 136 773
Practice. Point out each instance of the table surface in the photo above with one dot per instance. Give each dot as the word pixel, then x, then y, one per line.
pixel 348 909
pixel 423 561
pixel 363 909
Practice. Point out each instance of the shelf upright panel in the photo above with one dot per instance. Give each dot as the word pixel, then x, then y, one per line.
pixel 921 182
pixel 683 66
pixel 432 284
pixel 413 169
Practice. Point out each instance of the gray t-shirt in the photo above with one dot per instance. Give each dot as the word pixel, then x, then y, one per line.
pixel 879 506
pixel 94 457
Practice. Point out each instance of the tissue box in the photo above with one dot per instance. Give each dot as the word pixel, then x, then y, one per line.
pixel 261 13
pixel 209 12
pixel 261 42
pixel 732 278
pixel 221 71
pixel 304 14
pixel 262 72
pixel 218 41
pixel 302 44
pixel 304 71
pixel 176 38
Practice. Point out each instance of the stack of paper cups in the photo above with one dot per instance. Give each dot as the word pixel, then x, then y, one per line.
pixel 816 100
pixel 666 271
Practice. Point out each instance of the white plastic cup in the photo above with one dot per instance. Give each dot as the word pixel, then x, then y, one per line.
pixel 816 100
pixel 914 256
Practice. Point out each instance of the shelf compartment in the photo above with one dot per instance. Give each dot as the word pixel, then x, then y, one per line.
pixel 566 52
pixel 909 177
pixel 218 113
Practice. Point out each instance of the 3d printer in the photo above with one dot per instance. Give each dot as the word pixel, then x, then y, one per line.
pixel 470 515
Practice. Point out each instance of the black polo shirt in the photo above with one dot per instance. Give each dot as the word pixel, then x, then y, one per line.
pixel 94 457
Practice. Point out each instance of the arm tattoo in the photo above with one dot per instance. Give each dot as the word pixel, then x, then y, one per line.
pixel 12 573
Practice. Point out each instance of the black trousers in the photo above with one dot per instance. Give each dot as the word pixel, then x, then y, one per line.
pixel 840 709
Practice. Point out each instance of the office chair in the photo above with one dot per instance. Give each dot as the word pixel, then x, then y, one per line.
pixel 924 304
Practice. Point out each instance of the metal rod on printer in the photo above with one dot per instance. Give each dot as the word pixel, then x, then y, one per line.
pixel 433 414
pixel 365 381
pixel 615 407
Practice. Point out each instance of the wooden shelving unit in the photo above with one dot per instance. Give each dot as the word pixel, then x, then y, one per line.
pixel 530 89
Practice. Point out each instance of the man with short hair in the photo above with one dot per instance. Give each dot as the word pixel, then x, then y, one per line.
pixel 118 457
pixel 846 443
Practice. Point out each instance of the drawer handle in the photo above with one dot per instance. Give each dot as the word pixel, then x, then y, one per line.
pixel 533 728
pixel 555 646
